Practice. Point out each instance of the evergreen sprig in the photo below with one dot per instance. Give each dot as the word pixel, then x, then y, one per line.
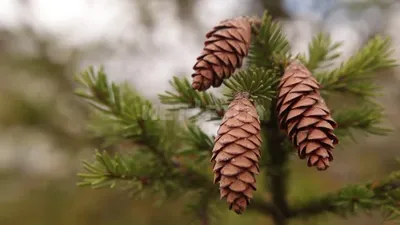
pixel 382 195
pixel 258 82
pixel 185 97
pixel 138 173
pixel 321 52
pixel 354 76
pixel 118 104
pixel 141 172
pixel 270 46
pixel 366 119
pixel 198 143
pixel 134 116
pixel 168 157
pixel 106 170
pixel 158 159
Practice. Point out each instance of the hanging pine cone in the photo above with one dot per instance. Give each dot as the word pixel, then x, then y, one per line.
pixel 225 47
pixel 305 117
pixel 236 153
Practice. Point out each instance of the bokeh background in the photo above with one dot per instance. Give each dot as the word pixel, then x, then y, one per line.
pixel 43 43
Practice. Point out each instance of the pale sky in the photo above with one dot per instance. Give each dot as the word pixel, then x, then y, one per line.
pixel 172 47
pixel 81 23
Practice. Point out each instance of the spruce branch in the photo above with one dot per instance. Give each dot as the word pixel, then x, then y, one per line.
pixel 270 46
pixel 152 138
pixel 132 172
pixel 321 52
pixel 202 208
pixel 197 143
pixel 268 209
pixel 366 119
pixel 140 174
pixel 185 97
pixel 258 82
pixel 116 103
pixel 354 76
pixel 381 195
pixel 170 158
pixel 135 116
pixel 276 162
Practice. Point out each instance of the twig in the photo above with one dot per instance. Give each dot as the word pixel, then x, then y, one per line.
pixel 149 143
pixel 278 158
pixel 269 209
pixel 327 202
pixel 314 207
pixel 203 214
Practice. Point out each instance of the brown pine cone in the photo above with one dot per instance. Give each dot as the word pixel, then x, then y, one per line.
pixel 224 49
pixel 305 117
pixel 236 153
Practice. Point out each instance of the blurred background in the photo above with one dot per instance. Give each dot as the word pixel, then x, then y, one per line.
pixel 43 43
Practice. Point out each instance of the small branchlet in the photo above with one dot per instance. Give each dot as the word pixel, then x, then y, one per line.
pixel 170 159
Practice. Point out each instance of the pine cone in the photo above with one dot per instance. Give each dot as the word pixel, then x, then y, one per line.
pixel 236 153
pixel 225 47
pixel 305 117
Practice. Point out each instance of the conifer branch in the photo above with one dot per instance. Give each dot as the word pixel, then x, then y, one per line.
pixel 108 167
pixel 146 132
pixel 202 206
pixel 382 195
pixel 321 51
pixel 169 158
pixel 204 218
pixel 199 144
pixel 268 209
pixel 140 172
pixel 185 97
pixel 354 76
pixel 127 109
pixel 270 46
pixel 366 119
pixel 258 82
pixel 276 161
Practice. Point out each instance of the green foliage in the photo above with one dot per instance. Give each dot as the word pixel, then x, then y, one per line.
pixel 321 52
pixel 137 173
pixel 198 143
pixel 355 197
pixel 355 75
pixel 157 153
pixel 170 156
pixel 270 46
pixel 107 170
pixel 185 97
pixel 380 195
pixel 117 105
pixel 366 119
pixel 259 83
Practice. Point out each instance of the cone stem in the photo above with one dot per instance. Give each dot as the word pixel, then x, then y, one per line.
pixel 277 172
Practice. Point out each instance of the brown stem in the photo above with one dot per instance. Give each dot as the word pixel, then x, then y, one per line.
pixel 269 209
pixel 204 219
pixel 276 163
pixel 151 145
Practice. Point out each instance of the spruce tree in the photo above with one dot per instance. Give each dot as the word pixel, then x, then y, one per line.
pixel 276 104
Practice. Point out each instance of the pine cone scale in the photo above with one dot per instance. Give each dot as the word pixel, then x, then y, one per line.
pixel 223 46
pixel 224 58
